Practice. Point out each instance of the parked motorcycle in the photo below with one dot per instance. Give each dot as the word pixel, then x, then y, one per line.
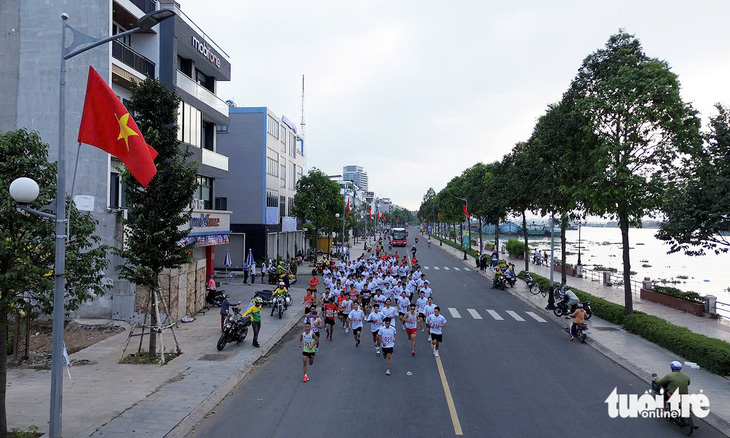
pixel 214 297
pixel 265 296
pixel 235 328
pixel 561 308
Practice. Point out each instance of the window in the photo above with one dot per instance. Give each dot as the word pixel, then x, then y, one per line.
pixel 221 203
pixel 221 129
pixel 290 205
pixel 208 136
pixel 116 191
pixel 189 124
pixel 126 40
pixel 293 177
pixel 273 127
pixel 185 65
pixel 205 81
pixel 272 162
pixel 204 192
pixel 282 174
pixel 282 206
pixel 292 145
pixel 300 149
pixel 283 137
pixel 299 174
pixel 272 198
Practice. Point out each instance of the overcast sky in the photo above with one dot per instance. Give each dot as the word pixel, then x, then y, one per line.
pixel 417 91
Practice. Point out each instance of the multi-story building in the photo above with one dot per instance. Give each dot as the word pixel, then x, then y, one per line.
pixel 269 159
pixel 357 175
pixel 175 51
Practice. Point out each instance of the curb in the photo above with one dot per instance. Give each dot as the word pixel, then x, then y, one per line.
pixel 197 414
pixel 713 420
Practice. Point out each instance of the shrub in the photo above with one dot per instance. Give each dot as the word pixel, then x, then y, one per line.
pixel 515 248
pixel 690 296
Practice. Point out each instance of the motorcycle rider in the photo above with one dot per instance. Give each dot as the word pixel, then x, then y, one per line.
pixel 413 251
pixel 279 291
pixel 570 296
pixel 255 312
pixel 580 318
pixel 509 274
pixel 674 381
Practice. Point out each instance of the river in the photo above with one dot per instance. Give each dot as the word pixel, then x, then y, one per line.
pixel 708 274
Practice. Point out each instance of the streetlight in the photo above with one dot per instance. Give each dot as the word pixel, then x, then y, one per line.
pixel 579 263
pixel 25 190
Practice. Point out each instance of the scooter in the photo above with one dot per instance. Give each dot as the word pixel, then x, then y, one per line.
pixel 581 330
pixel 280 304
pixel 235 328
pixel 265 296
pixel 499 282
pixel 561 308
pixel 214 297
pixel 685 423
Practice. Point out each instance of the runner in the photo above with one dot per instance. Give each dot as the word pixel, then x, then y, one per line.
pixel 376 321
pixel 428 311
pixel 403 305
pixel 356 318
pixel 309 344
pixel 386 338
pixel 329 318
pixel 389 311
pixel 411 322
pixel 308 302
pixel 436 322
pixel 346 309
pixel 365 298
pixel 421 304
pixel 315 321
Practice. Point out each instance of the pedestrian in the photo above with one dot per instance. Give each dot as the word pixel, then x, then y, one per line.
pixel 386 338
pixel 253 273
pixel 263 271
pixel 347 253
pixel 356 318
pixel 255 312
pixel 246 271
pixel 428 311
pixel 309 343
pixel 436 322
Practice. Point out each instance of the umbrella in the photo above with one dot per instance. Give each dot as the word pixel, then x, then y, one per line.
pixel 227 261
pixel 249 259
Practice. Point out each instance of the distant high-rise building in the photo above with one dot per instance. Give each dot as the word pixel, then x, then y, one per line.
pixel 357 175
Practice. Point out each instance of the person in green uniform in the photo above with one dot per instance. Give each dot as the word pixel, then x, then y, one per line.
pixel 309 344
pixel 255 312
pixel 674 381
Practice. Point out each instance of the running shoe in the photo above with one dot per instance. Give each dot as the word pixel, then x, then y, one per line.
pixel 413 352
pixel 436 353
pixel 387 372
pixel 357 342
pixel 306 379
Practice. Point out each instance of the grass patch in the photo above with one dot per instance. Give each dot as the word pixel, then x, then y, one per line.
pixel 32 432
pixel 143 358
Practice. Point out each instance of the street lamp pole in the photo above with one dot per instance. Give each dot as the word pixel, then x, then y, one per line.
pixel 461 227
pixel 579 225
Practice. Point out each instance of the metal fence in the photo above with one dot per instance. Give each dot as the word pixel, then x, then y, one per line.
pixel 722 309
pixel 613 280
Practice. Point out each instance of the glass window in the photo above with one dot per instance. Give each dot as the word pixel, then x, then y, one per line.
pixel 272 162
pixel 204 193
pixel 292 145
pixel 273 127
pixel 221 129
pixel 221 203
pixel 282 206
pixel 282 174
pixel 272 198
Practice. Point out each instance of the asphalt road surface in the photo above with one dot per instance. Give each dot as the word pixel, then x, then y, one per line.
pixel 508 371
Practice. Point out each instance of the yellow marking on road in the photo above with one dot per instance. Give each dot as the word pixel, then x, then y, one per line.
pixel 449 399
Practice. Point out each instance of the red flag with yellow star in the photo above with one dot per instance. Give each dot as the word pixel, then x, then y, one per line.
pixel 106 124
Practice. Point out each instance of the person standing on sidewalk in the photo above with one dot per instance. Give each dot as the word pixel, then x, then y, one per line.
pixel 309 344
pixel 253 273
pixel 263 272
pixel 246 271
pixel 255 312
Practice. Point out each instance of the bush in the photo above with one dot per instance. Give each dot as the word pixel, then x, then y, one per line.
pixel 515 248
pixel 692 297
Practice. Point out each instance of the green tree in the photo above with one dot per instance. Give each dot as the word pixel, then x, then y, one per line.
pixel 317 201
pixel 27 245
pixel 697 211
pixel 633 106
pixel 158 214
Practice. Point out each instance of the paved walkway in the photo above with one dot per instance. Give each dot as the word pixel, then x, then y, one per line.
pixel 633 352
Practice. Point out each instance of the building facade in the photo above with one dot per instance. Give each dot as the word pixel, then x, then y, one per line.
pixel 357 175
pixel 269 159
pixel 175 51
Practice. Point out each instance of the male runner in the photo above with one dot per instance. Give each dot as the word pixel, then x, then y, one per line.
pixel 329 317
pixel 411 322
pixel 389 311
pixel 436 322
pixel 346 306
pixel 376 321
pixel 356 318
pixel 386 338
pixel 421 304
pixel 309 344
pixel 403 305
pixel 428 311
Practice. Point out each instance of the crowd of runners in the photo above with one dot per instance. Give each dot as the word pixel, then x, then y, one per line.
pixel 387 292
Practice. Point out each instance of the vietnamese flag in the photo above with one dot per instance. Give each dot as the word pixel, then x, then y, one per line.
pixel 370 213
pixel 348 207
pixel 106 124
pixel 466 212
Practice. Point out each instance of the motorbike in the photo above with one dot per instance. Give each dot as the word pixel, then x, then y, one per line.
pixel 280 304
pixel 499 282
pixel 561 308
pixel 581 331
pixel 214 297
pixel 265 296
pixel 235 328
pixel 686 424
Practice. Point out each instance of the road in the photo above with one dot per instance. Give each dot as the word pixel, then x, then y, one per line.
pixel 508 371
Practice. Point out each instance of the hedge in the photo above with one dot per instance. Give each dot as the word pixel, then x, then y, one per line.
pixel 710 353
pixel 515 247
pixel 692 297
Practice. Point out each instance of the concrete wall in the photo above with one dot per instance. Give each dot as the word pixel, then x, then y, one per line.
pixel 9 68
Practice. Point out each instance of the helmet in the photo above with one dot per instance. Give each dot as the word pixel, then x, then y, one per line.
pixel 281 283
pixel 257 301
pixel 676 365
pixel 580 306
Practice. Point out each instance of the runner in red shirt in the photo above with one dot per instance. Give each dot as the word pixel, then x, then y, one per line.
pixel 329 317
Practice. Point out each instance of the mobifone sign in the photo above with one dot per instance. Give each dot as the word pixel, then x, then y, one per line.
pixel 206 51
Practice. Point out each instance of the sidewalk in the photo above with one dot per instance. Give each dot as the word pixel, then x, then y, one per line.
pixel 634 353
pixel 105 398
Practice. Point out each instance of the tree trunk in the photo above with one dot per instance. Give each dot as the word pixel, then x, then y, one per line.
pixel 628 298
pixel 152 349
pixel 496 238
pixel 481 242
pixel 527 247
pixel 563 255
pixel 3 370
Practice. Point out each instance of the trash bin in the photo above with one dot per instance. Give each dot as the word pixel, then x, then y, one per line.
pixel 607 278
pixel 711 304
pixel 646 284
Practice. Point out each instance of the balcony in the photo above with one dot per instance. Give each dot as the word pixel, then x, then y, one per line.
pixel 133 59
pixel 201 93
pixel 145 6
pixel 214 159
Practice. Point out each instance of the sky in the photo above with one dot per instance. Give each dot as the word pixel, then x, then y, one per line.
pixel 418 91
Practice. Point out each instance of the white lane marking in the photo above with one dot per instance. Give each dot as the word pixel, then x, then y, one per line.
pixel 474 314
pixel 446 268
pixel 436 268
pixel 454 313
pixel 456 269
pixel 495 315
pixel 515 315
pixel 535 316
pixel 426 267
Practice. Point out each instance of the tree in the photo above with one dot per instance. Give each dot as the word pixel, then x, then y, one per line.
pixel 159 213
pixel 698 211
pixel 27 245
pixel 317 201
pixel 522 193
pixel 634 109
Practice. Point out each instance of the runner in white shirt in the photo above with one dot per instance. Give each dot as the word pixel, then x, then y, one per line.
pixel 355 319
pixel 411 322
pixel 436 322
pixel 403 304
pixel 346 306
pixel 376 321
pixel 386 338
pixel 421 304
pixel 379 298
pixel 390 312
pixel 427 288
pixel 428 311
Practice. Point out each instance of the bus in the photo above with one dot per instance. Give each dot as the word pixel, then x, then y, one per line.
pixel 398 236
